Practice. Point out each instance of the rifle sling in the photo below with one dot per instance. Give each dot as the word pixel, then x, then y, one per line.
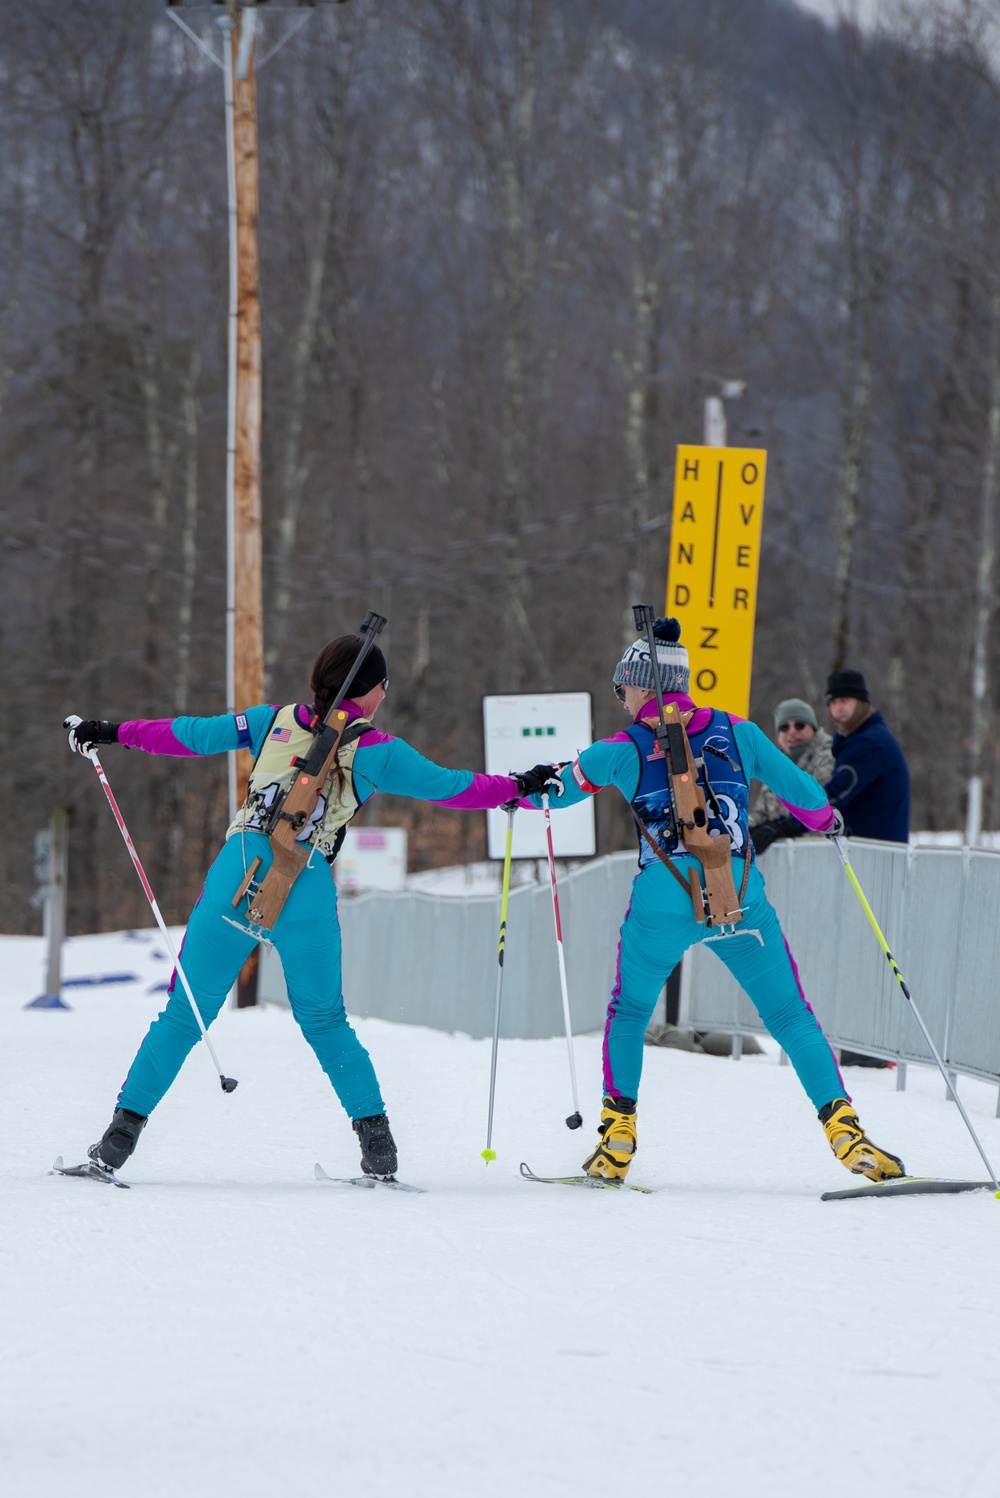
pixel 669 863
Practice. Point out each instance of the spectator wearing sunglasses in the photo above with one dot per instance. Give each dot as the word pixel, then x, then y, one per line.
pixel 800 737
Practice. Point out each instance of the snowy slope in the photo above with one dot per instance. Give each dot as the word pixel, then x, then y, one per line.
pixel 230 1326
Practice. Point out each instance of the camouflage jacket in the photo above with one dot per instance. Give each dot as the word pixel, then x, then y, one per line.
pixel 816 760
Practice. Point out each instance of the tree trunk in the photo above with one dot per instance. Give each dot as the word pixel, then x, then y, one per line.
pixel 189 530
pixel 294 471
pixel 520 257
pixel 984 600
pixel 635 367
pixel 849 490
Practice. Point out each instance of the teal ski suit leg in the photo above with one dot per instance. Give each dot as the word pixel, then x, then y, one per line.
pixel 307 938
pixel 770 978
pixel 659 927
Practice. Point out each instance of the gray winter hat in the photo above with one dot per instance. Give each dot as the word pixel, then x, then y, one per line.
pixel 793 708
pixel 635 669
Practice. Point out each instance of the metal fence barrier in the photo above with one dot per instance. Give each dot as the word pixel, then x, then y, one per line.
pixel 938 908
pixel 431 960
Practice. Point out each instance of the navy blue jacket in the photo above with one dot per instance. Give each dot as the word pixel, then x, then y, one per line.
pixel 870 785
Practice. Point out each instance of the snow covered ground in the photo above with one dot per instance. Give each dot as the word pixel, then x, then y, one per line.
pixel 230 1326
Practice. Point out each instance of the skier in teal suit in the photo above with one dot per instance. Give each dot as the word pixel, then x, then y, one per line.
pixel 307 932
pixel 660 923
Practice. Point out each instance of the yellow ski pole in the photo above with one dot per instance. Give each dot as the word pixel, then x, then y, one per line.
pixel 838 843
pixel 489 1153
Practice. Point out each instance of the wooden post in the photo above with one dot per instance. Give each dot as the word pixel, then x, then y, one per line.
pixel 52 853
pixel 55 910
pixel 248 627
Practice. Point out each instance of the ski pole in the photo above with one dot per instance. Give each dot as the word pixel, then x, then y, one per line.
pixel 489 1153
pixel 228 1083
pixel 575 1119
pixel 916 1012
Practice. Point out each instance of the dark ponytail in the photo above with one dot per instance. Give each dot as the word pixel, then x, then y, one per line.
pixel 331 666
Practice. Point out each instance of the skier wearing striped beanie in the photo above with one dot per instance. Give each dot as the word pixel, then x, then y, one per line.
pixel 675 894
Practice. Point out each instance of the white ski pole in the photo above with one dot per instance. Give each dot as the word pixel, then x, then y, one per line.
pixel 575 1119
pixel 489 1153
pixel 228 1083
pixel 839 844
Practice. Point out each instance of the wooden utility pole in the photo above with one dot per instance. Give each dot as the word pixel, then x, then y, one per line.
pixel 247 601
pixel 244 585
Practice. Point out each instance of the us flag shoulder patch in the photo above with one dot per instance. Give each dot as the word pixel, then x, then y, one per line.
pixel 282 735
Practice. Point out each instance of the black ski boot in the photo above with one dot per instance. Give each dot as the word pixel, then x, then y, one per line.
pixel 120 1138
pixel 378 1148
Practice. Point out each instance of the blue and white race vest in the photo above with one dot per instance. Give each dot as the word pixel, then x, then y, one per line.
pixel 723 771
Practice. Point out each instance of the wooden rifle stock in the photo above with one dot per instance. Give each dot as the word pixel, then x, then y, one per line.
pixel 287 820
pixel 712 852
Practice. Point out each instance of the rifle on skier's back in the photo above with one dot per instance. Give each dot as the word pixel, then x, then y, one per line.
pixel 292 808
pixel 712 852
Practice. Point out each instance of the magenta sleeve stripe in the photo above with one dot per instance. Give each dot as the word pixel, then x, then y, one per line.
pixel 155 735
pixel 486 791
pixel 817 819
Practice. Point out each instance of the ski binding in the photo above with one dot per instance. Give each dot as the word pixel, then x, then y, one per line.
pixel 907 1186
pixel 596 1183
pixel 90 1171
pixel 367 1182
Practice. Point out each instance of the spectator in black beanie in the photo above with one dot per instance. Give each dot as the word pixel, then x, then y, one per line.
pixel 870 785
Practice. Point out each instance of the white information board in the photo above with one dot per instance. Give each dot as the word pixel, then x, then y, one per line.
pixel 371 858
pixel 534 728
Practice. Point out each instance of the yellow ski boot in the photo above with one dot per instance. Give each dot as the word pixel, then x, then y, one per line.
pixel 613 1155
pixel 851 1145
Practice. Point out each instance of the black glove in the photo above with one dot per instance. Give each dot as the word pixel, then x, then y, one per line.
pixel 532 782
pixel 85 732
pixel 762 836
pixel 837 830
pixel 769 832
pixel 539 778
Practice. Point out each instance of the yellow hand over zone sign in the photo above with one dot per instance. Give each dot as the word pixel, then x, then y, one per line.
pixel 714 561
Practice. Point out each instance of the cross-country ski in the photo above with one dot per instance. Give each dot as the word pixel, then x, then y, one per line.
pixel 369 1183
pixel 594 1182
pixel 908 1186
pixel 88 1171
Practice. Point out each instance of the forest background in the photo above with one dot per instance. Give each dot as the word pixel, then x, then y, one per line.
pixel 507 251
